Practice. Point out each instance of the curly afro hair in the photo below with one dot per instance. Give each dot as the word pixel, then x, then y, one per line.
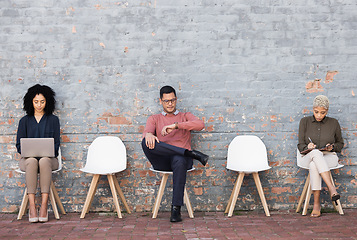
pixel 47 92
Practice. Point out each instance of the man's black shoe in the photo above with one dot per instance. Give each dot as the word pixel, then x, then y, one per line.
pixel 175 214
pixel 203 158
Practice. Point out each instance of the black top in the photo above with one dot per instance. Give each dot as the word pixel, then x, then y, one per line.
pixel 321 133
pixel 48 127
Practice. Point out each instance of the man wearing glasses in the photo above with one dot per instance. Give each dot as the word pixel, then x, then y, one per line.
pixel 167 145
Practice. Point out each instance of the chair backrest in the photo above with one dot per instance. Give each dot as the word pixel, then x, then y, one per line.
pixel 59 158
pixel 298 158
pixel 248 154
pixel 106 155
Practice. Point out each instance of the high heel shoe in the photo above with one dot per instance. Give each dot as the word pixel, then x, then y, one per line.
pixel 315 214
pixel 43 219
pixel 335 197
pixel 33 219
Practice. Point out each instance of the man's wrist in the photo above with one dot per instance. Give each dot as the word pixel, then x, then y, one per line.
pixel 176 125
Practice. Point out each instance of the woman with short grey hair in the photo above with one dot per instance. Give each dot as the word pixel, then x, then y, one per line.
pixel 319 139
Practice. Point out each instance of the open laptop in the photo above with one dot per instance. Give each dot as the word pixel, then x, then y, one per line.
pixel 37 147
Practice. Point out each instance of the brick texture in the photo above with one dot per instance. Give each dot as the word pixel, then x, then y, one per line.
pixel 245 67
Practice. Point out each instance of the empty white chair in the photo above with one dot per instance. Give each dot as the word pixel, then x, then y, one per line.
pixel 186 198
pixel 54 198
pixel 306 192
pixel 106 156
pixel 246 154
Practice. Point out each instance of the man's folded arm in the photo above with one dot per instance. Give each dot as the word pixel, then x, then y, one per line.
pixel 192 123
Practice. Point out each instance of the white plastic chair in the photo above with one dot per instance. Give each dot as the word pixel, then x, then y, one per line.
pixel 106 156
pixel 186 198
pixel 246 154
pixel 54 198
pixel 306 192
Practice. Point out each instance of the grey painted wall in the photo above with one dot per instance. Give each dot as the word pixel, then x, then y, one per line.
pixel 245 67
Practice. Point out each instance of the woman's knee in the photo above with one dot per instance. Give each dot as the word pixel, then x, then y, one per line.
pixel 31 163
pixel 45 163
pixel 316 153
pixel 44 160
pixel 48 163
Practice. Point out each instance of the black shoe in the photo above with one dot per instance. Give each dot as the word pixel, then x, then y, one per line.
pixel 175 214
pixel 203 158
pixel 335 197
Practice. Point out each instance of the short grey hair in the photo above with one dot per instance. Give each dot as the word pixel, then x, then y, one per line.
pixel 321 101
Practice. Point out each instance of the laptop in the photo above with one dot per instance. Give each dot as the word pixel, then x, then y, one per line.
pixel 37 147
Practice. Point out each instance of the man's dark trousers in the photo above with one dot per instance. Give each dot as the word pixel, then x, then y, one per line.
pixel 167 157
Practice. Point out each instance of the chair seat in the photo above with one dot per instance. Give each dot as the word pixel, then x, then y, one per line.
pixel 94 171
pixel 331 168
pixel 249 171
pixel 168 172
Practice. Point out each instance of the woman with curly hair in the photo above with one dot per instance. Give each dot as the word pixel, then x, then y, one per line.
pixel 39 122
pixel 319 139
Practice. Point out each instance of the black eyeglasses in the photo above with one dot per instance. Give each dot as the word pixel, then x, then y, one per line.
pixel 169 100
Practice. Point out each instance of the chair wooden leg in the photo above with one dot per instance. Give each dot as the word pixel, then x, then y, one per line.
pixel 153 209
pixel 23 206
pixel 333 203
pixel 90 195
pixel 54 205
pixel 58 200
pixel 307 199
pixel 261 193
pixel 114 193
pixel 95 186
pixel 339 206
pixel 230 198
pixel 188 204
pixel 303 194
pixel 235 193
pixel 121 195
pixel 159 195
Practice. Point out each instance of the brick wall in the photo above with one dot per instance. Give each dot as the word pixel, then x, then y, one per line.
pixel 245 67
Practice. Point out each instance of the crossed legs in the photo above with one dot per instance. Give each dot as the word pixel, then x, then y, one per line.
pixel 170 158
pixel 319 165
